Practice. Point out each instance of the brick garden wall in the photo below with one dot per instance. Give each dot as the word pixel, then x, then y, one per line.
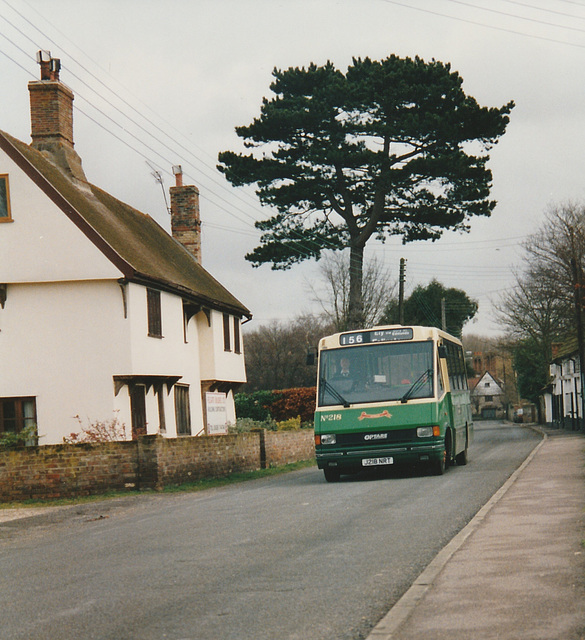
pixel 57 471
pixel 184 459
pixel 284 447
pixel 152 462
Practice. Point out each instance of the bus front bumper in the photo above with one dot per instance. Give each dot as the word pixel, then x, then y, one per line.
pixel 352 460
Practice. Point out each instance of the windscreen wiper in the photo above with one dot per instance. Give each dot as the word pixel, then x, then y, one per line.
pixel 333 391
pixel 416 385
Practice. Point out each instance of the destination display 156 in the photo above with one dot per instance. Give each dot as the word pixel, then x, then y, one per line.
pixel 381 335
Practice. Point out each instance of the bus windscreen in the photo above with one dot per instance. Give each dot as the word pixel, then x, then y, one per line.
pixel 376 373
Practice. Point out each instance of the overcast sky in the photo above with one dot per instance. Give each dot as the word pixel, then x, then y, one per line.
pixel 162 83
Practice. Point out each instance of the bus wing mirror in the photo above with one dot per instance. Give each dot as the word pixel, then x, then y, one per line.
pixel 442 351
pixel 310 361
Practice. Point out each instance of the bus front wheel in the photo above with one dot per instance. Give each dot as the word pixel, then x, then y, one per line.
pixel 443 462
pixel 439 465
pixel 332 475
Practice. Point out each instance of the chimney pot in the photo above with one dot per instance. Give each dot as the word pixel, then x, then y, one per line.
pixel 44 60
pixel 55 67
pixel 178 172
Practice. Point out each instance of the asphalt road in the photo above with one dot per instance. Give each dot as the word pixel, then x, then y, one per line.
pixel 288 557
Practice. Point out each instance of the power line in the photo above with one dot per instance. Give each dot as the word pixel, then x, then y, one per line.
pixel 108 102
pixel 512 15
pixel 302 247
pixel 558 13
pixel 298 248
pixel 147 158
pixel 303 238
pixel 482 24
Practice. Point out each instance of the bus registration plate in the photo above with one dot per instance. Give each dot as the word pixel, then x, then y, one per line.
pixel 372 462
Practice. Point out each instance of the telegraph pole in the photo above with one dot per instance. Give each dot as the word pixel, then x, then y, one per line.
pixel 401 291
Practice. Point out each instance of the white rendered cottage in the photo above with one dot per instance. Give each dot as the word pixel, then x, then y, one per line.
pixel 102 312
pixel 563 402
pixel 487 397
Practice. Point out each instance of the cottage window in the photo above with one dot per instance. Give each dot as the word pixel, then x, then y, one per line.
pixel 162 423
pixel 237 340
pixel 572 366
pixel 227 346
pixel 17 414
pixel 4 200
pixel 154 313
pixel 182 410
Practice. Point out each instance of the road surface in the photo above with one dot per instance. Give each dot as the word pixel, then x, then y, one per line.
pixel 287 557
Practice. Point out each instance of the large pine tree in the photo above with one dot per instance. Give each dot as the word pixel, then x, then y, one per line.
pixel 393 147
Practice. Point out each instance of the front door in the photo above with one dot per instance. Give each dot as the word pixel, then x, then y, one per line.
pixel 138 409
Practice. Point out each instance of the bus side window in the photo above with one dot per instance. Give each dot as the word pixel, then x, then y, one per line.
pixel 456 367
pixel 440 385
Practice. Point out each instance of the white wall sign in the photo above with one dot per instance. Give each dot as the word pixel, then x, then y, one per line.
pixel 216 413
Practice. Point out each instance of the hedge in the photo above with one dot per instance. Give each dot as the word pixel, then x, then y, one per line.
pixel 280 405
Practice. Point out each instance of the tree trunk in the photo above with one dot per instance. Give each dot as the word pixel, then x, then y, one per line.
pixel 355 316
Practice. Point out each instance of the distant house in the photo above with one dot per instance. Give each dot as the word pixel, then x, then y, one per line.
pixel 102 312
pixel 563 405
pixel 487 397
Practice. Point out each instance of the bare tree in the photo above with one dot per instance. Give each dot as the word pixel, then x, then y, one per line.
pixel 276 353
pixel 540 309
pixel 476 342
pixel 541 304
pixel 332 292
pixel 532 309
pixel 553 252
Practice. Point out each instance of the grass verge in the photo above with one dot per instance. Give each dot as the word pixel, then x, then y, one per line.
pixel 234 478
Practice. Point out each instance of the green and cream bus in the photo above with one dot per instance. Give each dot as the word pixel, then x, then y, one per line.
pixel 388 395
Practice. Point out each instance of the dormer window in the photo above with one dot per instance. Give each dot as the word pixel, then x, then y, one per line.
pixel 5 215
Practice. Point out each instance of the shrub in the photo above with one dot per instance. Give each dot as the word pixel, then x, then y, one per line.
pixel 281 405
pixel 98 431
pixel 290 403
pixel 15 440
pixel 243 425
pixel 255 406
pixel 292 424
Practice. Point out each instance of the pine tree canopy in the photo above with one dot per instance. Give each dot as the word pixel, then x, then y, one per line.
pixel 393 147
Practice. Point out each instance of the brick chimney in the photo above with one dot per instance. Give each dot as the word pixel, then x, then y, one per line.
pixel 51 112
pixel 555 348
pixel 185 219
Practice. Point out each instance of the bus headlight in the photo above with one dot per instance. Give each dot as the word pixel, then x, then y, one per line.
pixel 328 438
pixel 424 432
